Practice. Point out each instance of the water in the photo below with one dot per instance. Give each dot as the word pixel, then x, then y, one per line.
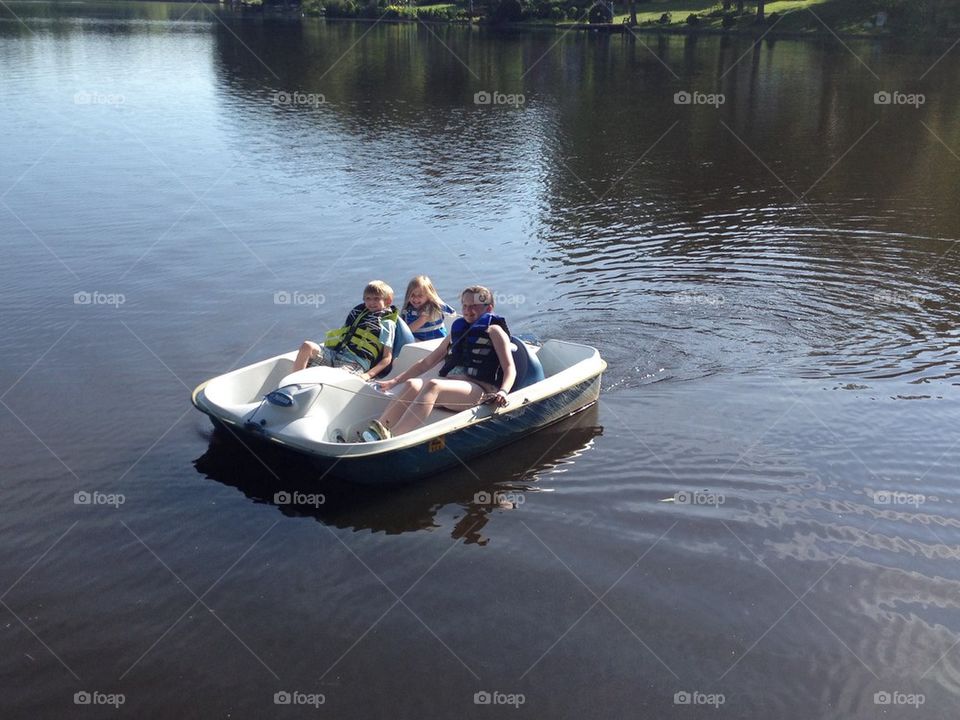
pixel 762 506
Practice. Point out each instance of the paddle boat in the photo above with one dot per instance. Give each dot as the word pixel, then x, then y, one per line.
pixel 321 412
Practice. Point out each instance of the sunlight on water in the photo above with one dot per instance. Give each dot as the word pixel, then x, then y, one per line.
pixel 770 472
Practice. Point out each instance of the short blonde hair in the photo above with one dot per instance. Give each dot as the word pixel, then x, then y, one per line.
pixel 480 294
pixel 380 289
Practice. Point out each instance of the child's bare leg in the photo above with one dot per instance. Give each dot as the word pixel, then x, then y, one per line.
pixel 409 389
pixel 457 394
pixel 307 351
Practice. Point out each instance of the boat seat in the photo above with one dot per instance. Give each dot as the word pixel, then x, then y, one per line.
pixel 529 369
pixel 401 337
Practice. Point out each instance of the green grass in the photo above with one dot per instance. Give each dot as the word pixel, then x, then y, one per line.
pixel 847 17
pixel 840 15
pixel 441 6
pixel 680 9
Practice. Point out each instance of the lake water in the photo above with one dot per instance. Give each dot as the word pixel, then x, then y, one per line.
pixel 759 518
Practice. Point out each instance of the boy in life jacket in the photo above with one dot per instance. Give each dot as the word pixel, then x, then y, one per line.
pixel 364 344
pixel 478 367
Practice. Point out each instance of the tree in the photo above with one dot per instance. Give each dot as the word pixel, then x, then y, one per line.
pixel 760 10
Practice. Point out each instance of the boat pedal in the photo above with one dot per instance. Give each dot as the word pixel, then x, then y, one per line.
pixel 282 397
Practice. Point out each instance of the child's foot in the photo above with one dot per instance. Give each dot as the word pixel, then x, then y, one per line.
pixel 377 431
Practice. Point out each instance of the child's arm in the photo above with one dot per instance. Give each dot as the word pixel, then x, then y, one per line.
pixel 419 322
pixel 380 366
pixel 501 343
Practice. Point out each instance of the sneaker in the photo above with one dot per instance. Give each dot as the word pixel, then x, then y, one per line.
pixel 377 431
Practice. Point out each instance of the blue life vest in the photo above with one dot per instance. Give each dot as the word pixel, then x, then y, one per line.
pixel 472 349
pixel 431 329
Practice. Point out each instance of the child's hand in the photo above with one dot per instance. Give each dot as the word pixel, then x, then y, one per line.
pixel 387 384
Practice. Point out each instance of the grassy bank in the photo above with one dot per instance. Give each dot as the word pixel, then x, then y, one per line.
pixel 845 17
pixel 781 17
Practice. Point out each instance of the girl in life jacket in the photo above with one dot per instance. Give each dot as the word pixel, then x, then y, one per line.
pixel 423 310
pixel 478 367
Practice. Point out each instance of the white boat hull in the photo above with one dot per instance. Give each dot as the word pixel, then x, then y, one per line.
pixel 330 402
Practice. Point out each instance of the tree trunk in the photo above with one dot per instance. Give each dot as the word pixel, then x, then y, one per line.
pixel 760 10
pixel 739 7
pixel 633 12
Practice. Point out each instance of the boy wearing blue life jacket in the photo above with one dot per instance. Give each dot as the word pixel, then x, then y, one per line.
pixel 478 367
pixel 364 344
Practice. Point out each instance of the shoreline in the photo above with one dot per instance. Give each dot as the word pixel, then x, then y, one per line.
pixel 752 31
pixel 295 11
pixel 757 33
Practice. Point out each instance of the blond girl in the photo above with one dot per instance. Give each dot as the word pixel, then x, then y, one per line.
pixel 423 310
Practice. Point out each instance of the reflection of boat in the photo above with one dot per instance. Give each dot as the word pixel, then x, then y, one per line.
pixel 288 480
pixel 315 410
